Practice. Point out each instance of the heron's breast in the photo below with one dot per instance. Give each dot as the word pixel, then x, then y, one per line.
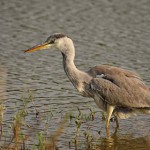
pixel 83 89
pixel 80 88
pixel 100 102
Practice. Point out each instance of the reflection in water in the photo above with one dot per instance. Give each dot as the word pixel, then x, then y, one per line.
pixel 124 142
pixel 3 76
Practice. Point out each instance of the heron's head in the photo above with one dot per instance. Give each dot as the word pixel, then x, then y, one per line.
pixel 57 40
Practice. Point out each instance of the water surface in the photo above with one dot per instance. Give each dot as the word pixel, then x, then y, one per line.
pixel 104 31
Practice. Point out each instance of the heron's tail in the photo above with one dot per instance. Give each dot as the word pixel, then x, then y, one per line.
pixel 145 110
pixel 123 114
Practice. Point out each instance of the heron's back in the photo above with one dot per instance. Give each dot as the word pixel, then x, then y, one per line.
pixel 119 87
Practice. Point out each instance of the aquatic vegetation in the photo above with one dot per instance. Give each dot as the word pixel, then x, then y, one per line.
pixel 88 140
pixel 47 128
pixel 22 129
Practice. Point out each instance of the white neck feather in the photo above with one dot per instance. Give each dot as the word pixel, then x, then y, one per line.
pixel 76 76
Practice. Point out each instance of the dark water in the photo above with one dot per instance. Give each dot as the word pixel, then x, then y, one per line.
pixel 104 31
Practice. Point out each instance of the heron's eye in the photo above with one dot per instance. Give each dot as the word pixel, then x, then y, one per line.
pixel 52 41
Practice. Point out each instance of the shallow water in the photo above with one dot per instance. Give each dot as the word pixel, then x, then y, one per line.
pixel 104 31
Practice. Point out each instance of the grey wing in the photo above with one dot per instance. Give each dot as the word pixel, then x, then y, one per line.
pixel 122 89
pixel 111 70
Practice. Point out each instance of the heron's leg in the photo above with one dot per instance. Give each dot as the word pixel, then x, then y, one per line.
pixel 110 110
pixel 117 122
pixel 108 133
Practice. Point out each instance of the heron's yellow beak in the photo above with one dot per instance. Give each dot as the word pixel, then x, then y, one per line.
pixel 38 47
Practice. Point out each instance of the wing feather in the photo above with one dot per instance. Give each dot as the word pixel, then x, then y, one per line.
pixel 120 87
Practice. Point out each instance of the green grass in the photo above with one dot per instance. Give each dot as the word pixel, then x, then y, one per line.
pixel 21 130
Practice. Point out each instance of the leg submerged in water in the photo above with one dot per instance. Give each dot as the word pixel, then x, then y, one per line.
pixel 117 122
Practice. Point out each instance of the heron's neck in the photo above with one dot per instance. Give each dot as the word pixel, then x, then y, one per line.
pixel 76 76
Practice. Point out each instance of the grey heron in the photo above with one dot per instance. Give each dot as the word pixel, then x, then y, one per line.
pixel 116 91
